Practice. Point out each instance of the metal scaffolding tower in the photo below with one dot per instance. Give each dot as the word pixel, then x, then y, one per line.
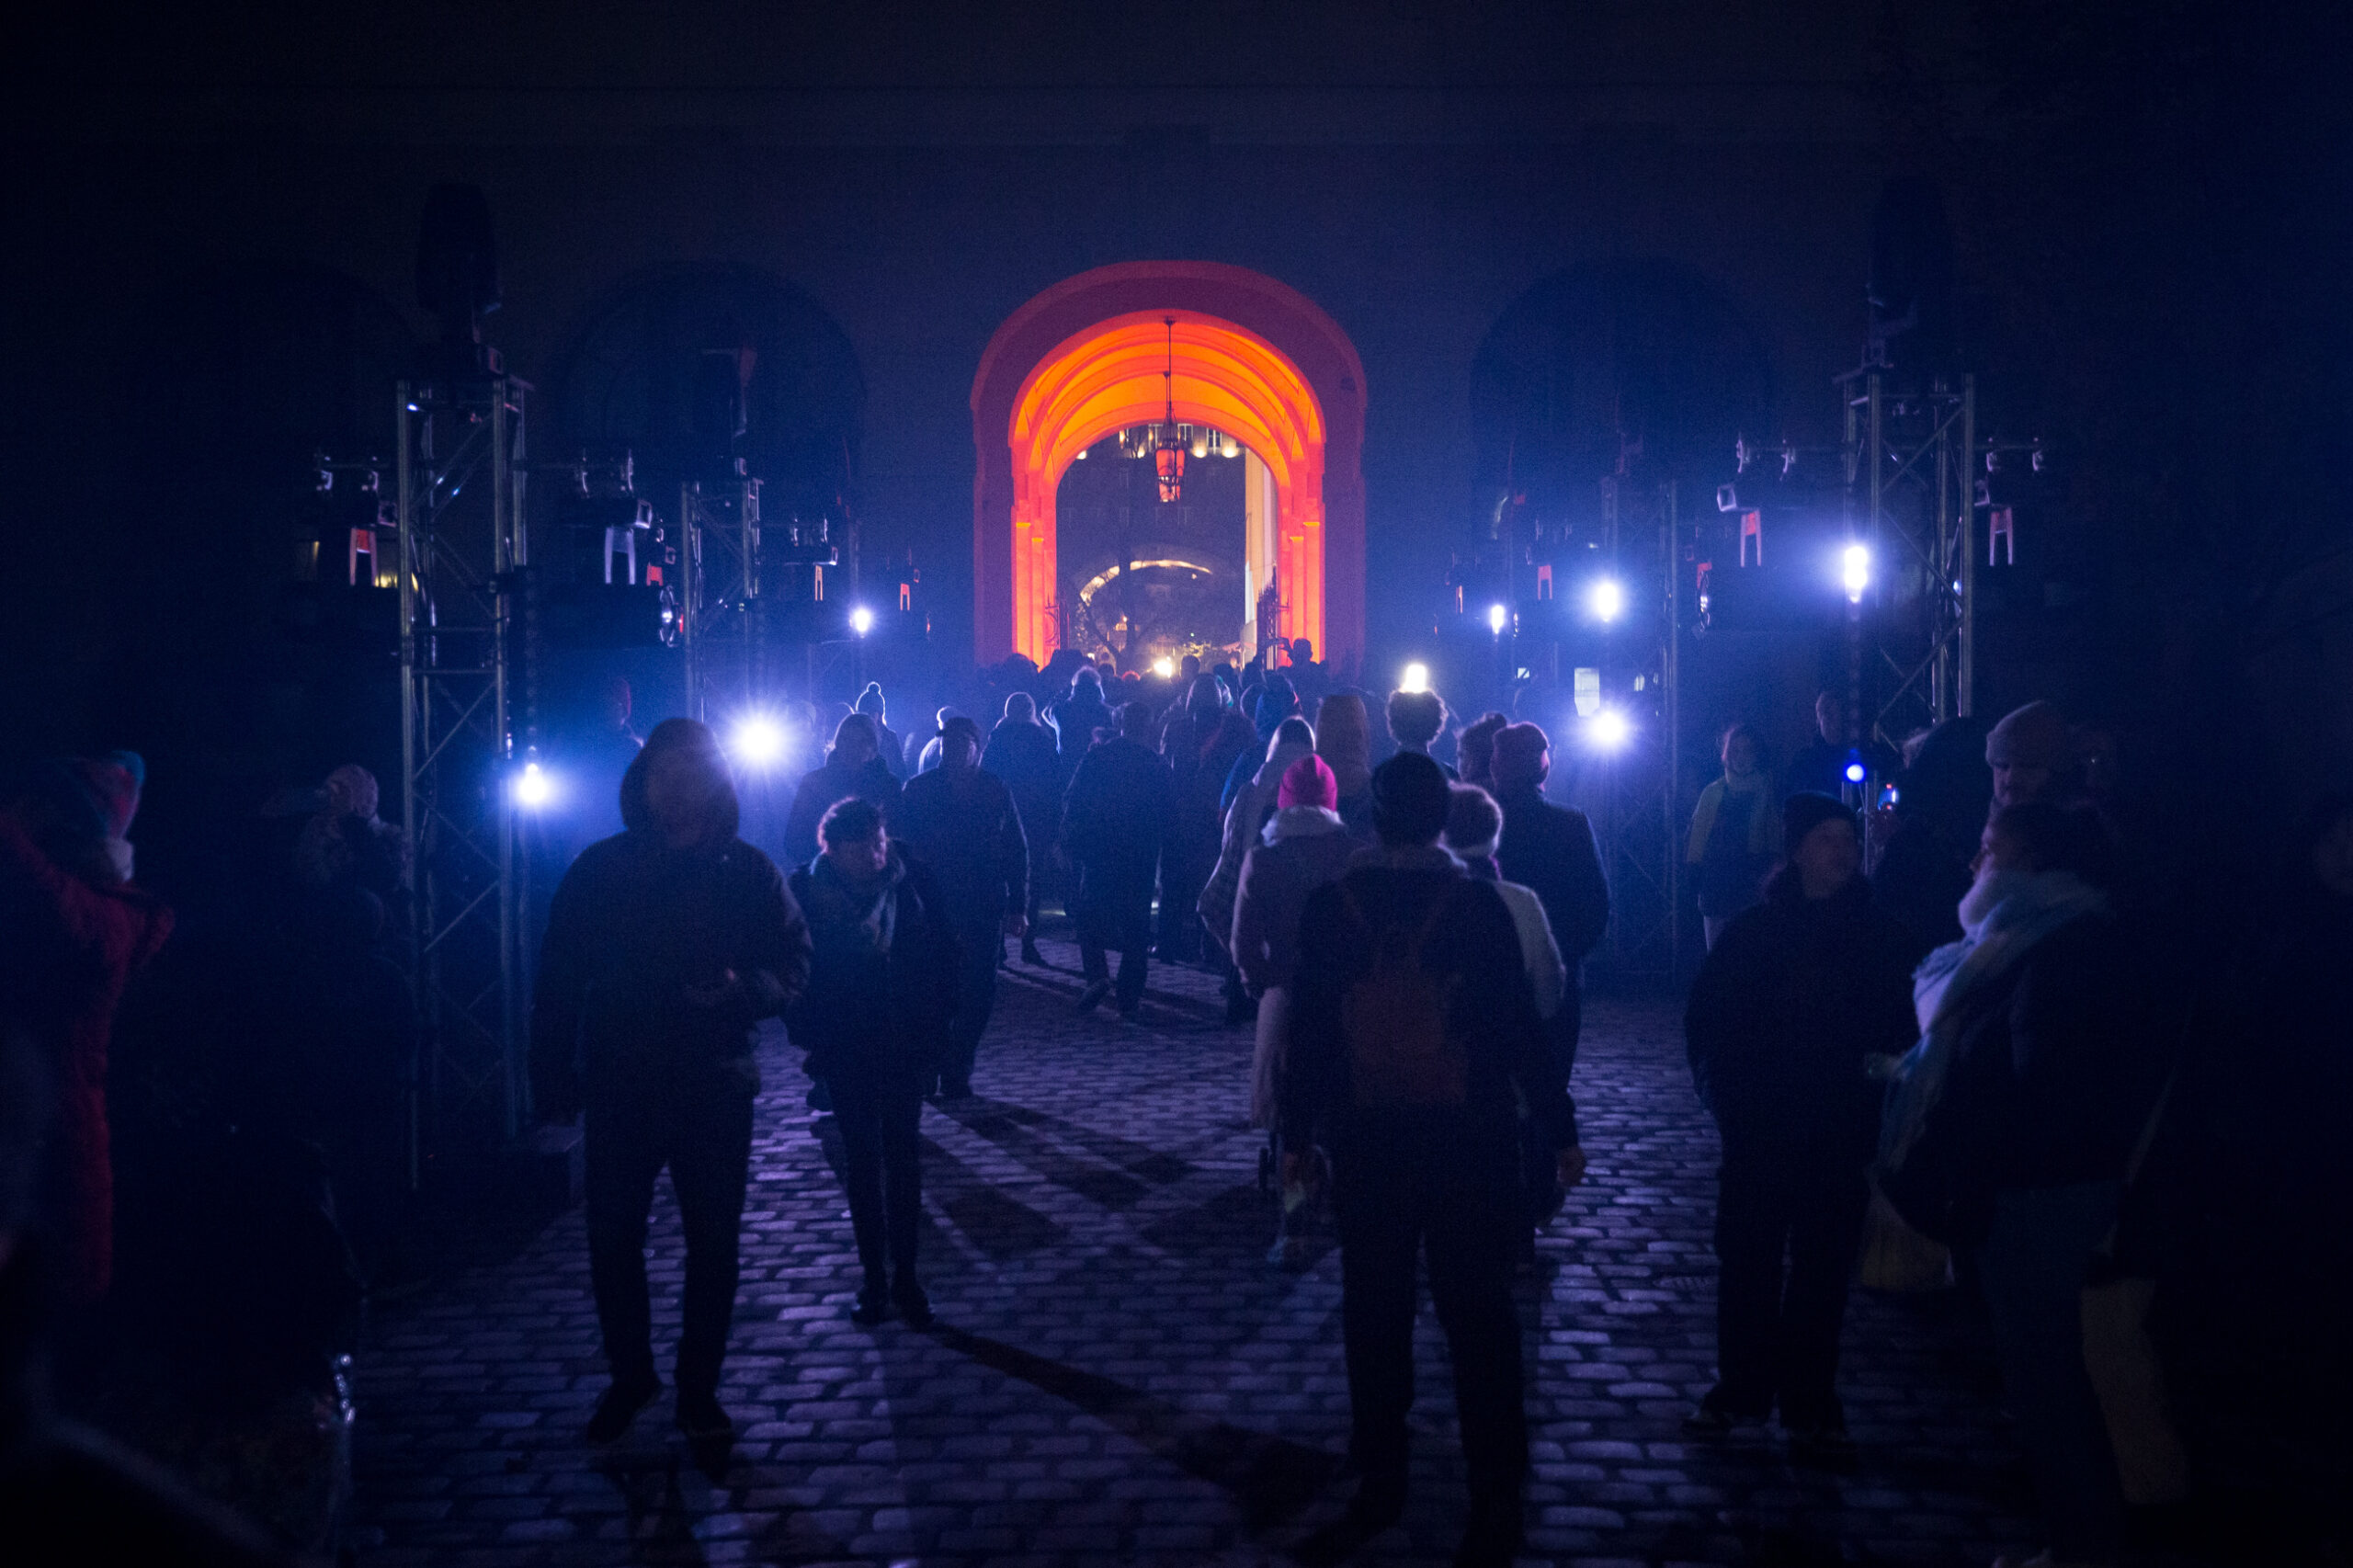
pixel 719 621
pixel 462 541
pixel 1911 459
pixel 1638 828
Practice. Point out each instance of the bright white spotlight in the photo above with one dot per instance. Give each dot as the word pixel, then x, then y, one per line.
pixel 1857 571
pixel 534 789
pixel 1856 773
pixel 1164 667
pixel 759 741
pixel 1498 618
pixel 1608 599
pixel 861 621
pixel 1417 678
pixel 1609 730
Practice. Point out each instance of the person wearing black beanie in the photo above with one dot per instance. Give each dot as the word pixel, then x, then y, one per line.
pixel 1797 995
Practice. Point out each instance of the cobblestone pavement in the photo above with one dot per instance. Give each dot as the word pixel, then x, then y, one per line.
pixel 1117 1376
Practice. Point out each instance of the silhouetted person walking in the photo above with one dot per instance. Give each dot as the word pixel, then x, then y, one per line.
pixel 1413 1039
pixel 1115 823
pixel 854 767
pixel 1797 995
pixel 961 822
pixel 665 945
pixel 1549 850
pixel 1021 751
pixel 874 1021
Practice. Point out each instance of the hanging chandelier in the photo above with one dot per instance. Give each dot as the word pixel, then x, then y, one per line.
pixel 1168 452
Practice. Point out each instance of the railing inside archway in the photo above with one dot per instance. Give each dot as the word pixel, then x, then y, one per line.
pixel 1251 357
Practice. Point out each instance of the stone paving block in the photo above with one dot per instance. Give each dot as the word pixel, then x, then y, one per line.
pixel 1118 1377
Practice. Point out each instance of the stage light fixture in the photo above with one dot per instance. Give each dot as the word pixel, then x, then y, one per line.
pixel 1857 772
pixel 1415 679
pixel 1609 730
pixel 1608 598
pixel 1498 618
pixel 1081 457
pixel 759 741
pixel 861 621
pixel 1230 447
pixel 1164 667
pixel 533 788
pixel 1856 572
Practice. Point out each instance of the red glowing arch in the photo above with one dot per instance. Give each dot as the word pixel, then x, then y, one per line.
pixel 1253 357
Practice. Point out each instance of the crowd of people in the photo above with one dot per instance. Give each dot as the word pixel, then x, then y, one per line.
pixel 1950 1041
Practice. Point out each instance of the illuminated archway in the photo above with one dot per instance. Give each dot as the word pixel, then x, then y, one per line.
pixel 1253 357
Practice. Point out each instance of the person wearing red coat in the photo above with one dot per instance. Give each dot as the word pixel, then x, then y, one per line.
pixel 73 930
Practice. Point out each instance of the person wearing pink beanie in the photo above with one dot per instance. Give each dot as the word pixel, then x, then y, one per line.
pixel 1303 848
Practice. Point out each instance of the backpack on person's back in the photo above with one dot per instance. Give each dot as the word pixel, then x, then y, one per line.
pixel 1393 1016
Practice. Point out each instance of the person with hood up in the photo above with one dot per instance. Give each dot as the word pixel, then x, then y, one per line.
pixel 853 769
pixel 665 944
pixel 874 1020
pixel 1302 847
pixel 1734 838
pixel 1798 995
pixel 1413 1043
pixel 888 743
pixel 73 932
pixel 1343 740
pixel 1115 824
pixel 959 820
pixel 1078 713
pixel 2012 1124
pixel 1021 752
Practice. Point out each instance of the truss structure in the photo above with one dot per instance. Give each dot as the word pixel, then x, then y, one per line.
pixel 719 620
pixel 463 540
pixel 1640 841
pixel 1911 459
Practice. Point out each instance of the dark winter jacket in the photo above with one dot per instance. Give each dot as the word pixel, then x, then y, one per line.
pixel 1784 1013
pixel 1117 816
pixel 1269 706
pixel 1201 749
pixel 1022 754
pixel 882 981
pixel 1076 718
pixel 1491 1017
pixel 2052 1079
pixel 963 825
pixel 634 924
pixel 1550 848
pixel 824 786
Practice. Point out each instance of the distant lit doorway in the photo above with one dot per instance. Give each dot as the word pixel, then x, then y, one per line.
pixel 1142 578
pixel 1091 366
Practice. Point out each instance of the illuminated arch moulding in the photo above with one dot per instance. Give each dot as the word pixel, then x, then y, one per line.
pixel 1254 358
